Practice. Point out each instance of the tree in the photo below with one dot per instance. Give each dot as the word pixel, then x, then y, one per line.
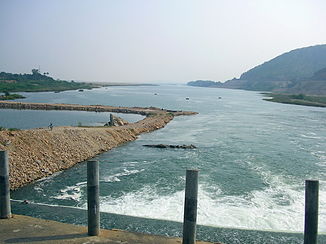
pixel 35 71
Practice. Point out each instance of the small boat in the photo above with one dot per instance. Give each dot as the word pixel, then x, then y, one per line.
pixel 219 97
pixel 80 90
pixel 187 98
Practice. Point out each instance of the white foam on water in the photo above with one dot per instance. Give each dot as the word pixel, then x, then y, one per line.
pixel 48 178
pixel 310 136
pixel 70 193
pixel 258 210
pixel 83 183
pixel 128 164
pixel 321 156
pixel 38 189
pixel 41 182
pixel 115 177
pixel 283 203
pixel 146 203
pixel 277 208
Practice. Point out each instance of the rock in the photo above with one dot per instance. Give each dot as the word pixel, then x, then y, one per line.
pixel 116 121
pixel 172 146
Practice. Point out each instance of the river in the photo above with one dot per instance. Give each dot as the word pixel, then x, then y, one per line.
pixel 254 157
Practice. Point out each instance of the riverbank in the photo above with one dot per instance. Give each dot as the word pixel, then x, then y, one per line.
pixel 38 153
pixel 300 99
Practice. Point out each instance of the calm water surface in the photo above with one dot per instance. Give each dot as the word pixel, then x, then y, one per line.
pixel 253 156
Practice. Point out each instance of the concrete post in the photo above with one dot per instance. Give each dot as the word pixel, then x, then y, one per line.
pixel 5 209
pixel 190 207
pixel 111 123
pixel 93 202
pixel 311 212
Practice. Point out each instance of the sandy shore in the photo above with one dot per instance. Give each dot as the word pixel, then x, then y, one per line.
pixel 38 153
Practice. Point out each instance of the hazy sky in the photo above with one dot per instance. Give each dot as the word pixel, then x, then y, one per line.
pixel 153 40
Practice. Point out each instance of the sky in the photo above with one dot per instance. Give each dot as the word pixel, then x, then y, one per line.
pixel 153 40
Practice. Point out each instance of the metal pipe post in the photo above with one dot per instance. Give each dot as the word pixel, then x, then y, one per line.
pixel 93 203
pixel 311 212
pixel 5 209
pixel 190 207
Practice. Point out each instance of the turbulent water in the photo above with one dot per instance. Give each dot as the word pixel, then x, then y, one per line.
pixel 253 157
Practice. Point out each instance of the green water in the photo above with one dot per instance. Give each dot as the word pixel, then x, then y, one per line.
pixel 253 157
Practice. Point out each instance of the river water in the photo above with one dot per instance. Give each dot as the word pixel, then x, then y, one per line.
pixel 253 157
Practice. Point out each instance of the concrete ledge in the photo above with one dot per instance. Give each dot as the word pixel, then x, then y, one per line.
pixel 24 229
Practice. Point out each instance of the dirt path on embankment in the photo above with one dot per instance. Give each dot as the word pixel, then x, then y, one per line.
pixel 37 153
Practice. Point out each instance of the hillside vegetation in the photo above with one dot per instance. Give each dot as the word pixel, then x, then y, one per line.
pixel 300 99
pixel 319 75
pixel 296 65
pixel 204 83
pixel 36 82
pixel 8 96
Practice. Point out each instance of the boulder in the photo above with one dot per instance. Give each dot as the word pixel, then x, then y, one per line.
pixel 172 146
pixel 116 121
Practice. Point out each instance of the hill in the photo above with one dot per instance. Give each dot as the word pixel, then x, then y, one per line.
pixel 204 83
pixel 301 70
pixel 36 82
pixel 319 75
pixel 295 65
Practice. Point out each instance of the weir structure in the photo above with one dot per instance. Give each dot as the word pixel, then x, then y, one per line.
pixel 93 202
pixel 190 206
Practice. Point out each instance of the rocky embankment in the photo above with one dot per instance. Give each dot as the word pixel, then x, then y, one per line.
pixel 91 108
pixel 38 153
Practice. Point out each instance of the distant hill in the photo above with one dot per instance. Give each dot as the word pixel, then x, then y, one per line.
pixel 301 70
pixel 36 82
pixel 319 75
pixel 204 83
pixel 295 65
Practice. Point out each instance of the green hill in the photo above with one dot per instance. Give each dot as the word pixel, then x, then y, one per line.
pixel 204 83
pixel 36 82
pixel 319 75
pixel 302 70
pixel 296 65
